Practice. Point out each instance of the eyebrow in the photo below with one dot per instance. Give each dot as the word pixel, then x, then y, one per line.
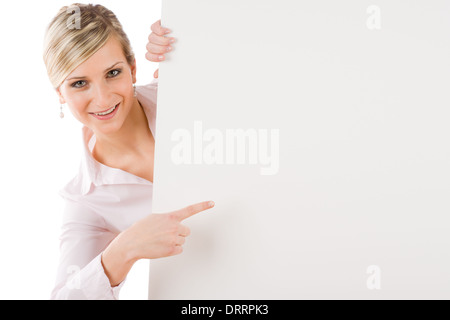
pixel 115 64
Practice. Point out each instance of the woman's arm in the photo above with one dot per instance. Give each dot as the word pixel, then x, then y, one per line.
pixel 117 261
pixel 80 273
pixel 155 236
pixel 94 261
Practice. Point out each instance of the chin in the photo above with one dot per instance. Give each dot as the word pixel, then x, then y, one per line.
pixel 108 129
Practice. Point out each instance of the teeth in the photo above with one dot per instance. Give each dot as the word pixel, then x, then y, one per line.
pixel 106 112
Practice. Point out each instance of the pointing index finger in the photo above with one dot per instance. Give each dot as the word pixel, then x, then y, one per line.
pixel 189 211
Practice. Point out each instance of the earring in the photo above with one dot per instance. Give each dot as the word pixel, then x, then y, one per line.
pixel 61 114
pixel 134 87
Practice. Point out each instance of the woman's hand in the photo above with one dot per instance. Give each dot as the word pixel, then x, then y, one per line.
pixel 155 236
pixel 160 235
pixel 158 44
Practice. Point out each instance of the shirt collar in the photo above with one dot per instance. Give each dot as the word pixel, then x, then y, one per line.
pixel 95 173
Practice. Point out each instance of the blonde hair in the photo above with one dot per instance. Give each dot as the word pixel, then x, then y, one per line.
pixel 75 34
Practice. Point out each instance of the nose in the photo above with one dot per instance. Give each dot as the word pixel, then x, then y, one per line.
pixel 102 97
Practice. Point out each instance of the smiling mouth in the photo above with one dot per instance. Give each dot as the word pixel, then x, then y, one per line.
pixel 105 113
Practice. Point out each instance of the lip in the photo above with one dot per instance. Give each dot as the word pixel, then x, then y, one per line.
pixel 107 117
pixel 103 110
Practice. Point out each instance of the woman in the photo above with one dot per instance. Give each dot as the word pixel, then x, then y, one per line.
pixel 107 223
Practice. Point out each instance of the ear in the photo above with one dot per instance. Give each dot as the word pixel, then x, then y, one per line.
pixel 61 98
pixel 133 71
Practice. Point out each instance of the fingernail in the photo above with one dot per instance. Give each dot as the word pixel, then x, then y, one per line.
pixel 168 31
pixel 161 57
pixel 168 49
pixel 172 40
pixel 211 203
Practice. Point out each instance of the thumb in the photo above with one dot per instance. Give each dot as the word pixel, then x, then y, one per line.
pixel 189 211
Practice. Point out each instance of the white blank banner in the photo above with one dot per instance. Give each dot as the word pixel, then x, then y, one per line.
pixel 320 129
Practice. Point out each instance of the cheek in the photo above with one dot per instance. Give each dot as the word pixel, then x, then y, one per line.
pixel 78 107
pixel 126 87
pixel 75 102
pixel 127 92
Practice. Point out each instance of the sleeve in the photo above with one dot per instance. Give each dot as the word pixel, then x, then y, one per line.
pixel 80 274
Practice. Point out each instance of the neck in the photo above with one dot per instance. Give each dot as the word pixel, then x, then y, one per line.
pixel 127 140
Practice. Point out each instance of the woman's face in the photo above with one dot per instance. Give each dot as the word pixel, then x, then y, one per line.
pixel 102 82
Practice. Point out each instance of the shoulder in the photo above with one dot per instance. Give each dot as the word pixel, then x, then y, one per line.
pixel 85 208
pixel 148 91
pixel 76 201
pixel 75 189
pixel 152 85
pixel 147 96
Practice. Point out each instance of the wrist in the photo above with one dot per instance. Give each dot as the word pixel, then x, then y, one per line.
pixel 125 250
pixel 117 260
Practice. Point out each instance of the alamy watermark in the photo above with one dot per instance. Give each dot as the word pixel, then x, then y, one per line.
pixel 235 146
pixel 74 21
pixel 374 20
pixel 74 279
pixel 374 280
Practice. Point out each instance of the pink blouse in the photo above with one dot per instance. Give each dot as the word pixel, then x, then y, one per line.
pixel 100 202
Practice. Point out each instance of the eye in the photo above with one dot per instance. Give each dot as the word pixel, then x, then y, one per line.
pixel 114 73
pixel 76 84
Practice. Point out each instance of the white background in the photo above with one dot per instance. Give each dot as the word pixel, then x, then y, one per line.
pixel 40 152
